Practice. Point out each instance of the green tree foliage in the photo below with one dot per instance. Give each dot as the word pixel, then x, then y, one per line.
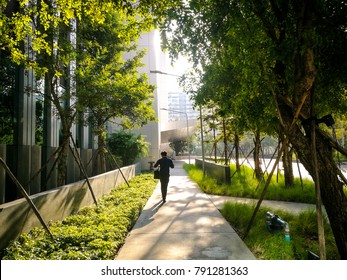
pixel 231 82
pixel 7 110
pixel 280 57
pixel 108 85
pixel 40 35
pixel 178 145
pixel 127 146
pixel 19 20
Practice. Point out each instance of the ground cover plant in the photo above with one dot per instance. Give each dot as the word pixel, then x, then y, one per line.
pixel 244 184
pixel 262 243
pixel 95 233
pixel 273 246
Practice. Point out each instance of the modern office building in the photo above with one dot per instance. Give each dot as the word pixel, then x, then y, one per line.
pixel 179 101
pixel 32 134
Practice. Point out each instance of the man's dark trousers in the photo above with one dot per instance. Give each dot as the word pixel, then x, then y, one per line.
pixel 164 181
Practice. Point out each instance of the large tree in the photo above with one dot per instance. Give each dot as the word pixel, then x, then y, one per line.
pixel 290 52
pixel 109 86
pixel 40 35
pixel 246 104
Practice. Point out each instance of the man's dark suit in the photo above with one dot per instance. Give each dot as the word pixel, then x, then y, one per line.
pixel 164 163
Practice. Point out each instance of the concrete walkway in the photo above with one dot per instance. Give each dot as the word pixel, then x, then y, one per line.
pixel 187 227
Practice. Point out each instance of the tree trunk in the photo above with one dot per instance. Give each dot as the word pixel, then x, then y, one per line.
pixel 256 155
pixel 62 157
pixel 225 140
pixel 100 132
pixel 64 134
pixel 288 167
pixel 214 145
pixel 333 197
pixel 287 160
pixel 237 151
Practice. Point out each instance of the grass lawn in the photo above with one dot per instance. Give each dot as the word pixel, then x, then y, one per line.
pixel 244 184
pixel 264 244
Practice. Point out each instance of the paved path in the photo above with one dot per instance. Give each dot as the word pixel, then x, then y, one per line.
pixel 187 226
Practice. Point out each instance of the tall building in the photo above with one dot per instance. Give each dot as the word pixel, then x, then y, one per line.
pixel 180 102
pixel 168 97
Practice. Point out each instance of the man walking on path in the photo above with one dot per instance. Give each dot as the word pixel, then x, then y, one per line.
pixel 164 164
pixel 190 216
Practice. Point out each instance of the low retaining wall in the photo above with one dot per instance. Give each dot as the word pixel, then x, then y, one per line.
pixel 220 172
pixel 26 162
pixel 17 216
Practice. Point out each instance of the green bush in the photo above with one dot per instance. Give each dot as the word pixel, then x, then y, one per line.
pixel 127 146
pixel 95 233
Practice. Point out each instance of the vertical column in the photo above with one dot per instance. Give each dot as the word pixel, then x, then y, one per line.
pixel 152 61
pixel 51 127
pixel 25 128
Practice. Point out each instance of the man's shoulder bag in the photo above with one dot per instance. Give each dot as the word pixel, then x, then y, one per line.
pixel 157 174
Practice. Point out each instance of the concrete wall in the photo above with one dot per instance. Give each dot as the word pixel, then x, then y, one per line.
pixel 220 172
pixel 153 60
pixel 26 161
pixel 17 216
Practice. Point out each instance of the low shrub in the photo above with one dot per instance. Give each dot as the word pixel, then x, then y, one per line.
pixel 95 233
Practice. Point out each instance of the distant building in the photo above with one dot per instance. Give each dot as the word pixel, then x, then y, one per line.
pixel 180 102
